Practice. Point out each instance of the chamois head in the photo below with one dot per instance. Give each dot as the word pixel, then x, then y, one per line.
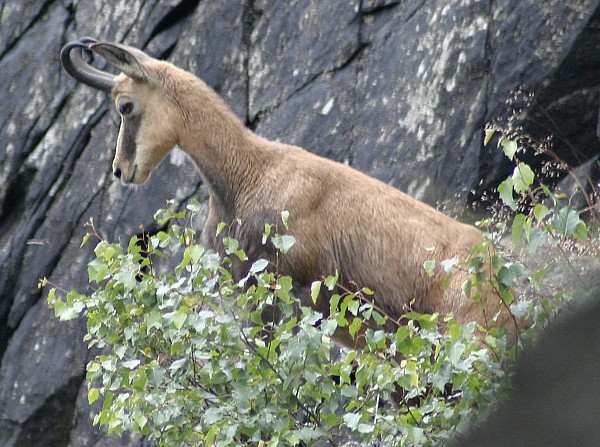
pixel 148 121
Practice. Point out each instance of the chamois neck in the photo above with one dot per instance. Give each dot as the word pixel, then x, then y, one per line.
pixel 228 155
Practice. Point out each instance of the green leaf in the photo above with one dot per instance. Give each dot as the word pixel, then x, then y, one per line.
pixel 141 420
pixel 455 352
pixel 98 270
pixel 566 221
pixel 509 147
pixel 193 253
pixel 517 230
pixel 581 231
pixel 134 245
pixel 179 319
pixel 131 363
pixel 537 238
pixel 522 178
pixel 259 266
pixel 366 428
pixel 510 274
pixel 352 420
pixel 128 278
pixel 449 264
pixel 92 367
pixel 540 211
pixel 350 304
pixel 283 243
pixel 328 326
pixel 266 233
pixel 64 311
pixel 505 190
pixel 120 351
pixel 429 266
pixel 331 281
pixel 212 415
pixel 467 287
pixel 231 245
pixel 93 395
pixel 156 375
pixel 194 206
pixel 507 295
pixel 85 239
pixel 51 298
pixel 154 321
pixel 177 364
pixel 285 215
pixel 220 227
pixel 355 326
pixel 489 133
pixel 315 290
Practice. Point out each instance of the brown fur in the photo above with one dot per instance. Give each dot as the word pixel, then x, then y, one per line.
pixel 343 220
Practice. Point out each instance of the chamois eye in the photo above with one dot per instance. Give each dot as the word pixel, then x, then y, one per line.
pixel 125 108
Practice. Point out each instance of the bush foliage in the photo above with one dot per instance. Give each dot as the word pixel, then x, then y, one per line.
pixel 188 356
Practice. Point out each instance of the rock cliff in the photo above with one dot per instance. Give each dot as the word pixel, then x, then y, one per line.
pixel 398 89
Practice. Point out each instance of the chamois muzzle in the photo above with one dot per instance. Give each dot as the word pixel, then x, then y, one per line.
pixel 74 63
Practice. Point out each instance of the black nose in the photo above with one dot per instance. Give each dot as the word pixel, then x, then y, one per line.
pixel 117 173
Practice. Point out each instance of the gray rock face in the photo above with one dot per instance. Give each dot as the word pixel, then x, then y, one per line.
pixel 400 90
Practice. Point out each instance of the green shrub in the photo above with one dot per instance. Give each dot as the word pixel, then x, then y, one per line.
pixel 186 358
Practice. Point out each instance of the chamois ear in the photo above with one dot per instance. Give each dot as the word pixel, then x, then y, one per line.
pixel 127 59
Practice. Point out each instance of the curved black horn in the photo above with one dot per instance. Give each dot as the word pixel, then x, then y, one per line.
pixel 74 63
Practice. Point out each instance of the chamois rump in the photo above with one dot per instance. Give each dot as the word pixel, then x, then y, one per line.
pixel 372 234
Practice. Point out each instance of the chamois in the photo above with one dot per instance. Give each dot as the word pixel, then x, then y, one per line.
pixel 344 221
